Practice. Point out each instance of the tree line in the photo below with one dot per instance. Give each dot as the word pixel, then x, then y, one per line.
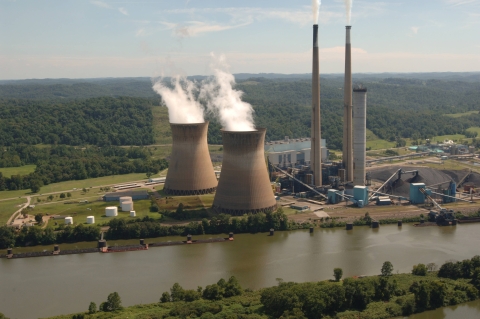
pixel 63 163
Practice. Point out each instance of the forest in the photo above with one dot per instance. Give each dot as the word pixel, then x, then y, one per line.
pixel 63 163
pixel 96 111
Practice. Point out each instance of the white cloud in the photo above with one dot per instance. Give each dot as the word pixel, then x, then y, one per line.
pixel 123 11
pixel 195 28
pixel 141 33
pixel 100 4
pixel 414 29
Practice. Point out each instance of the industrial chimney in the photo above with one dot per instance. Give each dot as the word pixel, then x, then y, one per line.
pixel 347 157
pixel 244 186
pixel 190 169
pixel 360 134
pixel 315 155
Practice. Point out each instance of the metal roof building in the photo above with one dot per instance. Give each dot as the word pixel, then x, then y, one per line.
pixel 134 194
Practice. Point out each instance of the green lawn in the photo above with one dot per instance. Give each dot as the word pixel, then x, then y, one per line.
pixel 474 129
pixel 79 212
pixel 453 137
pixel 454 115
pixel 161 126
pixel 8 207
pixel 22 170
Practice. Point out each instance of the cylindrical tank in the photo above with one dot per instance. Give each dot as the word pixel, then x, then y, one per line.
pixel 68 220
pixel 127 206
pixel 90 219
pixel 142 242
pixel 111 211
pixel 125 199
pixel 9 251
pixel 244 186
pixel 132 213
pixel 359 135
pixel 375 224
pixel 56 248
pixel 399 223
pixel 190 171
pixel 102 243
pixel 349 226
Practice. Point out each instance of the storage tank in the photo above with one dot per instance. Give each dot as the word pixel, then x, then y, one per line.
pixel 132 213
pixel 68 220
pixel 244 186
pixel 127 206
pixel 190 171
pixel 90 219
pixel 111 211
pixel 125 199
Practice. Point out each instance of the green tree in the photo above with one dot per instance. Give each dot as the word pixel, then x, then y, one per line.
pixel 419 270
pixel 35 186
pixel 92 308
pixel 213 292
pixel 337 273
pixel 39 218
pixel 69 195
pixel 2 316
pixel 113 302
pixel 191 295
pixel 177 292
pixel 50 197
pixel 387 269
pixel 165 297
pixel 232 288
pixel 62 195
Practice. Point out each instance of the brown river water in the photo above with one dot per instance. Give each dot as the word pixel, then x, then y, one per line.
pixel 48 286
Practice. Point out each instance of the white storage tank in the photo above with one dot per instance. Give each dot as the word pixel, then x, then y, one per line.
pixel 132 213
pixel 111 211
pixel 90 219
pixel 125 199
pixel 127 206
pixel 68 220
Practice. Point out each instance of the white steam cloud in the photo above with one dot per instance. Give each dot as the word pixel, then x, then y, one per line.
pixel 180 100
pixel 348 9
pixel 315 10
pixel 224 101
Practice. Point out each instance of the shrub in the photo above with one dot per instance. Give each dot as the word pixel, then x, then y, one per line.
pixel 419 270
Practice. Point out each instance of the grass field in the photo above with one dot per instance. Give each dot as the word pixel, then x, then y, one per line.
pixel 70 185
pixel 161 127
pixel 79 212
pixel 455 115
pixel 7 208
pixel 22 170
pixel 474 129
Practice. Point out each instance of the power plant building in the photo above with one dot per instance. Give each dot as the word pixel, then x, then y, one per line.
pixel 244 186
pixel 190 170
pixel 360 135
pixel 291 152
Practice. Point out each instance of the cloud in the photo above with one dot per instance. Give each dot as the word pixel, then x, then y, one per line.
pixel 100 4
pixel 414 29
pixel 141 32
pixel 123 11
pixel 196 28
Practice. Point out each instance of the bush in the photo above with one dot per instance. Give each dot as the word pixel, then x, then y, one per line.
pixel 165 297
pixel 419 270
pixel 337 273
pixel 387 269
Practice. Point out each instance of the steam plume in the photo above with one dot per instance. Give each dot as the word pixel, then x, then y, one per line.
pixel 226 102
pixel 348 8
pixel 315 10
pixel 180 100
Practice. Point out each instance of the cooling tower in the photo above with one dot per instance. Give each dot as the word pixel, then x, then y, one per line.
pixel 315 155
pixel 190 171
pixel 347 110
pixel 244 186
pixel 360 135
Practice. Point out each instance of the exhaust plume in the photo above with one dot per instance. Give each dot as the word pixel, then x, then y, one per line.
pixel 181 103
pixel 224 101
pixel 315 10
pixel 348 9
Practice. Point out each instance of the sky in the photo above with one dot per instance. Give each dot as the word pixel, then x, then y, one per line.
pixel 132 38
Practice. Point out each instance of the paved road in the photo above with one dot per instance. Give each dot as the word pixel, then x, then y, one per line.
pixel 19 210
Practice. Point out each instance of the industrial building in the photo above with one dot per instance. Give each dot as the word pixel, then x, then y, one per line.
pixel 292 152
pixel 190 170
pixel 134 194
pixel 244 186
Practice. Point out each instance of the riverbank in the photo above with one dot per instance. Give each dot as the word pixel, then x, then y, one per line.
pixel 373 297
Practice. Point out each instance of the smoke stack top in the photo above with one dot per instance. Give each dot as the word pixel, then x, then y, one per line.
pixel 180 100
pixel 315 35
pixel 226 102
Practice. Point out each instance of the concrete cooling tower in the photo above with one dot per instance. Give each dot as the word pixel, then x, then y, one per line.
pixel 244 186
pixel 190 171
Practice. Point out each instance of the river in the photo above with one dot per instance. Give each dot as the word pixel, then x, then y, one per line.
pixel 47 286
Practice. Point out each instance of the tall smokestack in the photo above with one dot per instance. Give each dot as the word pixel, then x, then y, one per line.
pixel 190 169
pixel 360 136
pixel 315 155
pixel 244 186
pixel 347 157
